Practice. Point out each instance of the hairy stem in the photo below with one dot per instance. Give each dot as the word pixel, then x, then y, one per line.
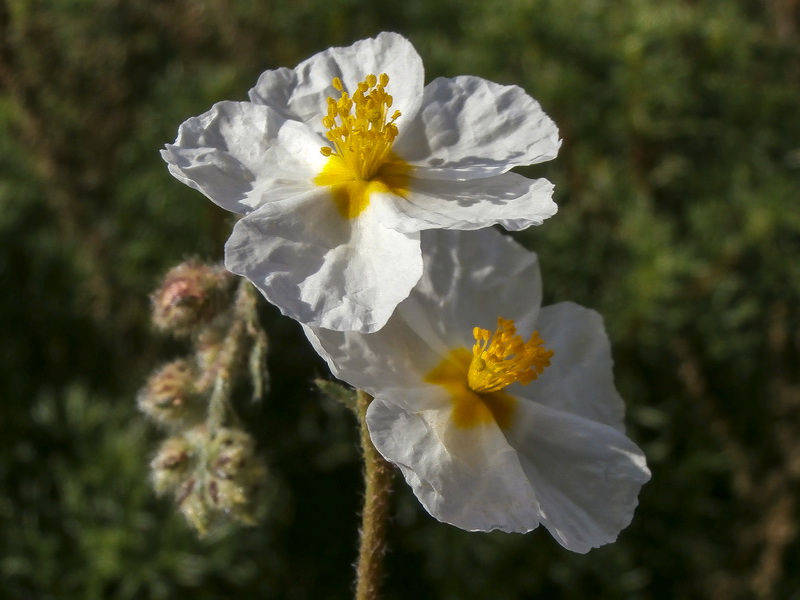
pixel 374 518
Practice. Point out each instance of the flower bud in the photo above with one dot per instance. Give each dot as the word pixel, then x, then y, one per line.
pixel 170 465
pixel 224 495
pixel 191 296
pixel 170 396
pixel 230 451
pixel 192 504
pixel 235 475
pixel 237 497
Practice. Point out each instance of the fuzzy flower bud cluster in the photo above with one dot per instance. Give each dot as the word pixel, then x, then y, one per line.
pixel 208 463
pixel 210 474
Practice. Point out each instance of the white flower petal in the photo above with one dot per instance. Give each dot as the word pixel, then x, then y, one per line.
pixel 580 378
pixel 322 269
pixel 469 127
pixel 420 333
pixel 405 354
pixel 470 279
pixel 241 155
pixel 302 94
pixel 470 478
pixel 587 475
pixel 510 200
pixel 274 88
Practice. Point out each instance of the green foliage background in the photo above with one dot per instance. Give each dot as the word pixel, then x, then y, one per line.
pixel 677 184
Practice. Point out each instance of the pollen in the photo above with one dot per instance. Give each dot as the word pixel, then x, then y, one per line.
pixel 360 126
pixel 361 162
pixel 470 409
pixel 475 379
pixel 502 358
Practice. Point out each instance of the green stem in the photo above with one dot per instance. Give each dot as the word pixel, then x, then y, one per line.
pixel 243 335
pixel 374 518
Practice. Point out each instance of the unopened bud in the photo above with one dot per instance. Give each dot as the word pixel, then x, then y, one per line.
pixel 224 495
pixel 237 496
pixel 170 465
pixel 192 294
pixel 193 506
pixel 170 396
pixel 230 450
pixel 236 475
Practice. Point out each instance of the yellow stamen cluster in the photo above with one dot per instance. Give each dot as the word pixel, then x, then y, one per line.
pixel 364 138
pixel 501 358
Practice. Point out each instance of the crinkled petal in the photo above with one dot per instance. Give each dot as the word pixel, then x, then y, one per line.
pixel 469 127
pixel 322 269
pixel 580 378
pixel 470 478
pixel 421 331
pixel 274 88
pixel 302 93
pixel 406 354
pixel 587 475
pixel 470 279
pixel 241 155
pixel 510 200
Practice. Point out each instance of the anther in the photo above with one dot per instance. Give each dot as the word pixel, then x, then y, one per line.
pixel 502 358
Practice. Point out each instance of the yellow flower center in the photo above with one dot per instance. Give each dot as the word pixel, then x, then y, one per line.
pixel 502 358
pixel 475 379
pixel 361 161
pixel 362 137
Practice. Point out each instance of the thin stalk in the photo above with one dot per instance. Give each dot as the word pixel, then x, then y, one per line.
pixel 375 516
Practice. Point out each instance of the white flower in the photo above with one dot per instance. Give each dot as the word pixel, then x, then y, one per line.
pixel 481 450
pixel 339 163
